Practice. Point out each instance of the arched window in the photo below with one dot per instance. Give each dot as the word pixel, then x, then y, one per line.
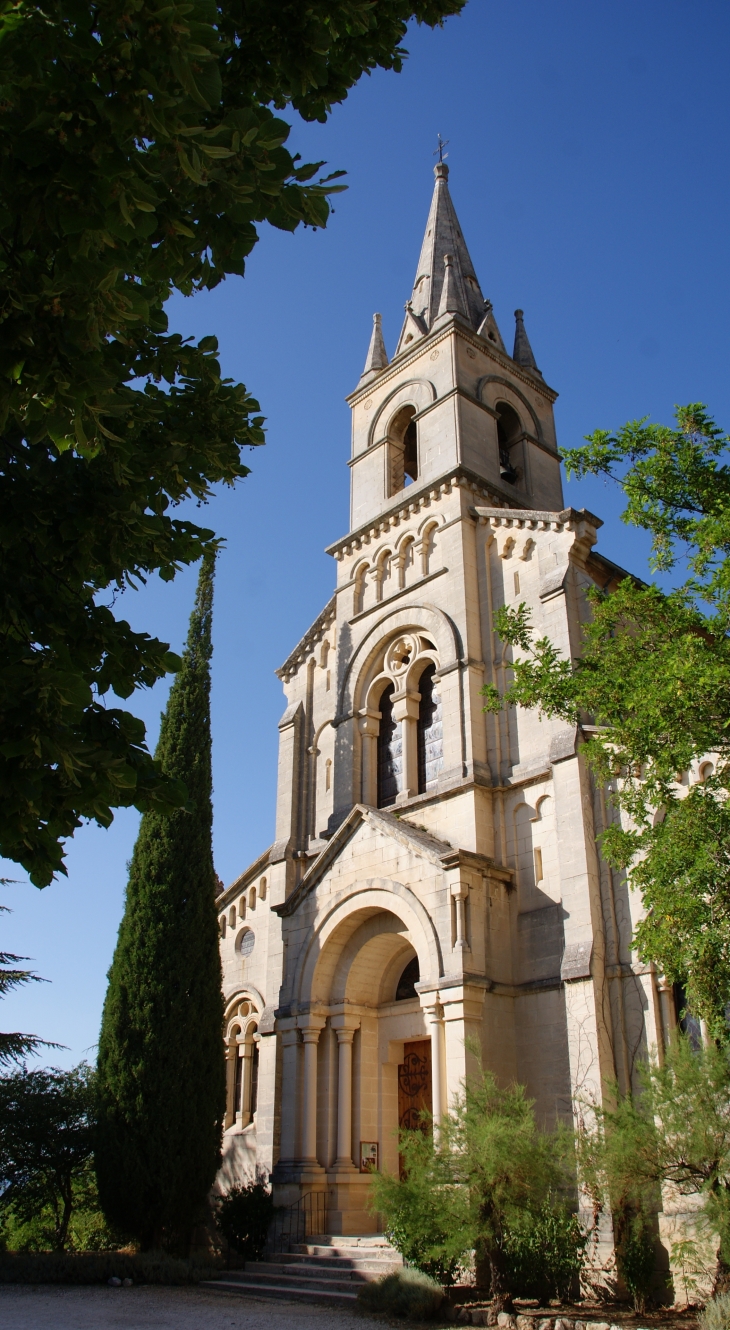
pixel 390 752
pixel 407 983
pixel 509 432
pixel 403 435
pixel 430 732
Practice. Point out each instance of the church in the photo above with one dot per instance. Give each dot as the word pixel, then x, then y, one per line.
pixel 435 883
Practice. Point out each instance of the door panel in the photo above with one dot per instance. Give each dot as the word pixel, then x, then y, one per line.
pixel 414 1085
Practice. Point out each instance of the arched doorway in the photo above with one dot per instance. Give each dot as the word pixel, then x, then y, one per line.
pixel 344 1058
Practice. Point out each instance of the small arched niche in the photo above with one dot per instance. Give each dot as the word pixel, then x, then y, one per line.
pixel 509 432
pixel 403 449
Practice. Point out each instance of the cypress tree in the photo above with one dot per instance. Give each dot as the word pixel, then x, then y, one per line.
pixel 161 1061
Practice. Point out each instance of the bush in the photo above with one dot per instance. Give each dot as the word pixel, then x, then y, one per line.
pixel 409 1293
pixel 716 1315
pixel 99 1268
pixel 544 1252
pixel 243 1216
pixel 425 1213
pixel 635 1256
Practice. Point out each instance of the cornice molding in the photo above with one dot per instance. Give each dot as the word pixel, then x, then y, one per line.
pixel 312 636
pixel 408 502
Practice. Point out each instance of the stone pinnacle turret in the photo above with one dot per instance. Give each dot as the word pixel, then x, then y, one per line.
pixel 377 357
pixel 522 354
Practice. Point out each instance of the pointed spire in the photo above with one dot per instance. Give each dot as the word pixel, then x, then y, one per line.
pixel 522 354
pixel 377 357
pixel 451 301
pixel 443 236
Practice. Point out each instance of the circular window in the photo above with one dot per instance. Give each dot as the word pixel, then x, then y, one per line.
pixel 246 942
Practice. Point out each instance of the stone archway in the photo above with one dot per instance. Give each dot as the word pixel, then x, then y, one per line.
pixel 343 1050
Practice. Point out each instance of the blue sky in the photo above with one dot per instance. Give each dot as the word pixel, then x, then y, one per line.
pixel 589 168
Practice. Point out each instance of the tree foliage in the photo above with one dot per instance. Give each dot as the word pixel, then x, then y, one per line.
pixel 425 1210
pixel 494 1182
pixel 139 152
pixel 675 1131
pixel 161 1062
pixel 243 1215
pixel 654 676
pixel 46 1143
pixel 16 1047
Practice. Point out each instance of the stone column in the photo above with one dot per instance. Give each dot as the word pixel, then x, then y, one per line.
pixel 435 1016
pixel 289 1093
pixel 245 1051
pixel 459 893
pixel 231 1056
pixel 667 1009
pixel 405 710
pixel 311 1027
pixel 369 726
pixel 344 1027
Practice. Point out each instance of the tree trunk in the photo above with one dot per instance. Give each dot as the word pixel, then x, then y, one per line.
pixel 62 1228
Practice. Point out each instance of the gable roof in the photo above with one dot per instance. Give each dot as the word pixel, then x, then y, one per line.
pixel 439 852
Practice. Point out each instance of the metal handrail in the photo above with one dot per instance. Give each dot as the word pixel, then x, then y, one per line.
pixel 293 1223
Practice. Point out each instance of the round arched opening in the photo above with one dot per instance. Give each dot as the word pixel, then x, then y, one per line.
pixel 406 986
pixel 509 432
pixel 403 435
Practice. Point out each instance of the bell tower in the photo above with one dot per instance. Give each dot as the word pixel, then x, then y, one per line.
pixel 435 877
pixel 452 396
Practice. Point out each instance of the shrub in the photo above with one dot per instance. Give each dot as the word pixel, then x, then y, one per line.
pixel 509 1166
pixel 243 1216
pixel 635 1256
pixel 409 1293
pixel 544 1251
pixel 425 1212
pixel 99 1267
pixel 716 1315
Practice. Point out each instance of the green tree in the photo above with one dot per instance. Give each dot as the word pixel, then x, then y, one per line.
pixel 139 151
pixel 16 1047
pixel 654 676
pixel 512 1169
pixel 46 1143
pixel 425 1210
pixel 494 1182
pixel 160 1062
pixel 675 1131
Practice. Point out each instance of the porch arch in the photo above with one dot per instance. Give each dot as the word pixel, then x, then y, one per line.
pixel 329 939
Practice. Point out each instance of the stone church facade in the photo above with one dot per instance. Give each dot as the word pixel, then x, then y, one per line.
pixel 435 881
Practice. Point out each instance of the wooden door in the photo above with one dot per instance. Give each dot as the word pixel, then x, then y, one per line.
pixel 414 1085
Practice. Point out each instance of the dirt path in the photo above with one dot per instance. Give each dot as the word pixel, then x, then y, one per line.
pixel 40 1307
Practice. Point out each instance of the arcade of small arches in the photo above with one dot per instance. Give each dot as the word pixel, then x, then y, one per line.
pixel 395 567
pixel 246 906
pixel 242 1059
pixel 401 723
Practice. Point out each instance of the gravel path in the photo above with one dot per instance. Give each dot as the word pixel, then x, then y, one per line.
pixel 40 1307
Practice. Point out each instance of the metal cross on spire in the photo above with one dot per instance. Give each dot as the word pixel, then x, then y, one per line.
pixel 443 143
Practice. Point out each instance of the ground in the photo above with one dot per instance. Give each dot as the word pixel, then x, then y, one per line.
pixel 40 1307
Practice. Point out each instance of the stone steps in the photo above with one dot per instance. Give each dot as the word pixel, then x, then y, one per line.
pixel 327 1269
